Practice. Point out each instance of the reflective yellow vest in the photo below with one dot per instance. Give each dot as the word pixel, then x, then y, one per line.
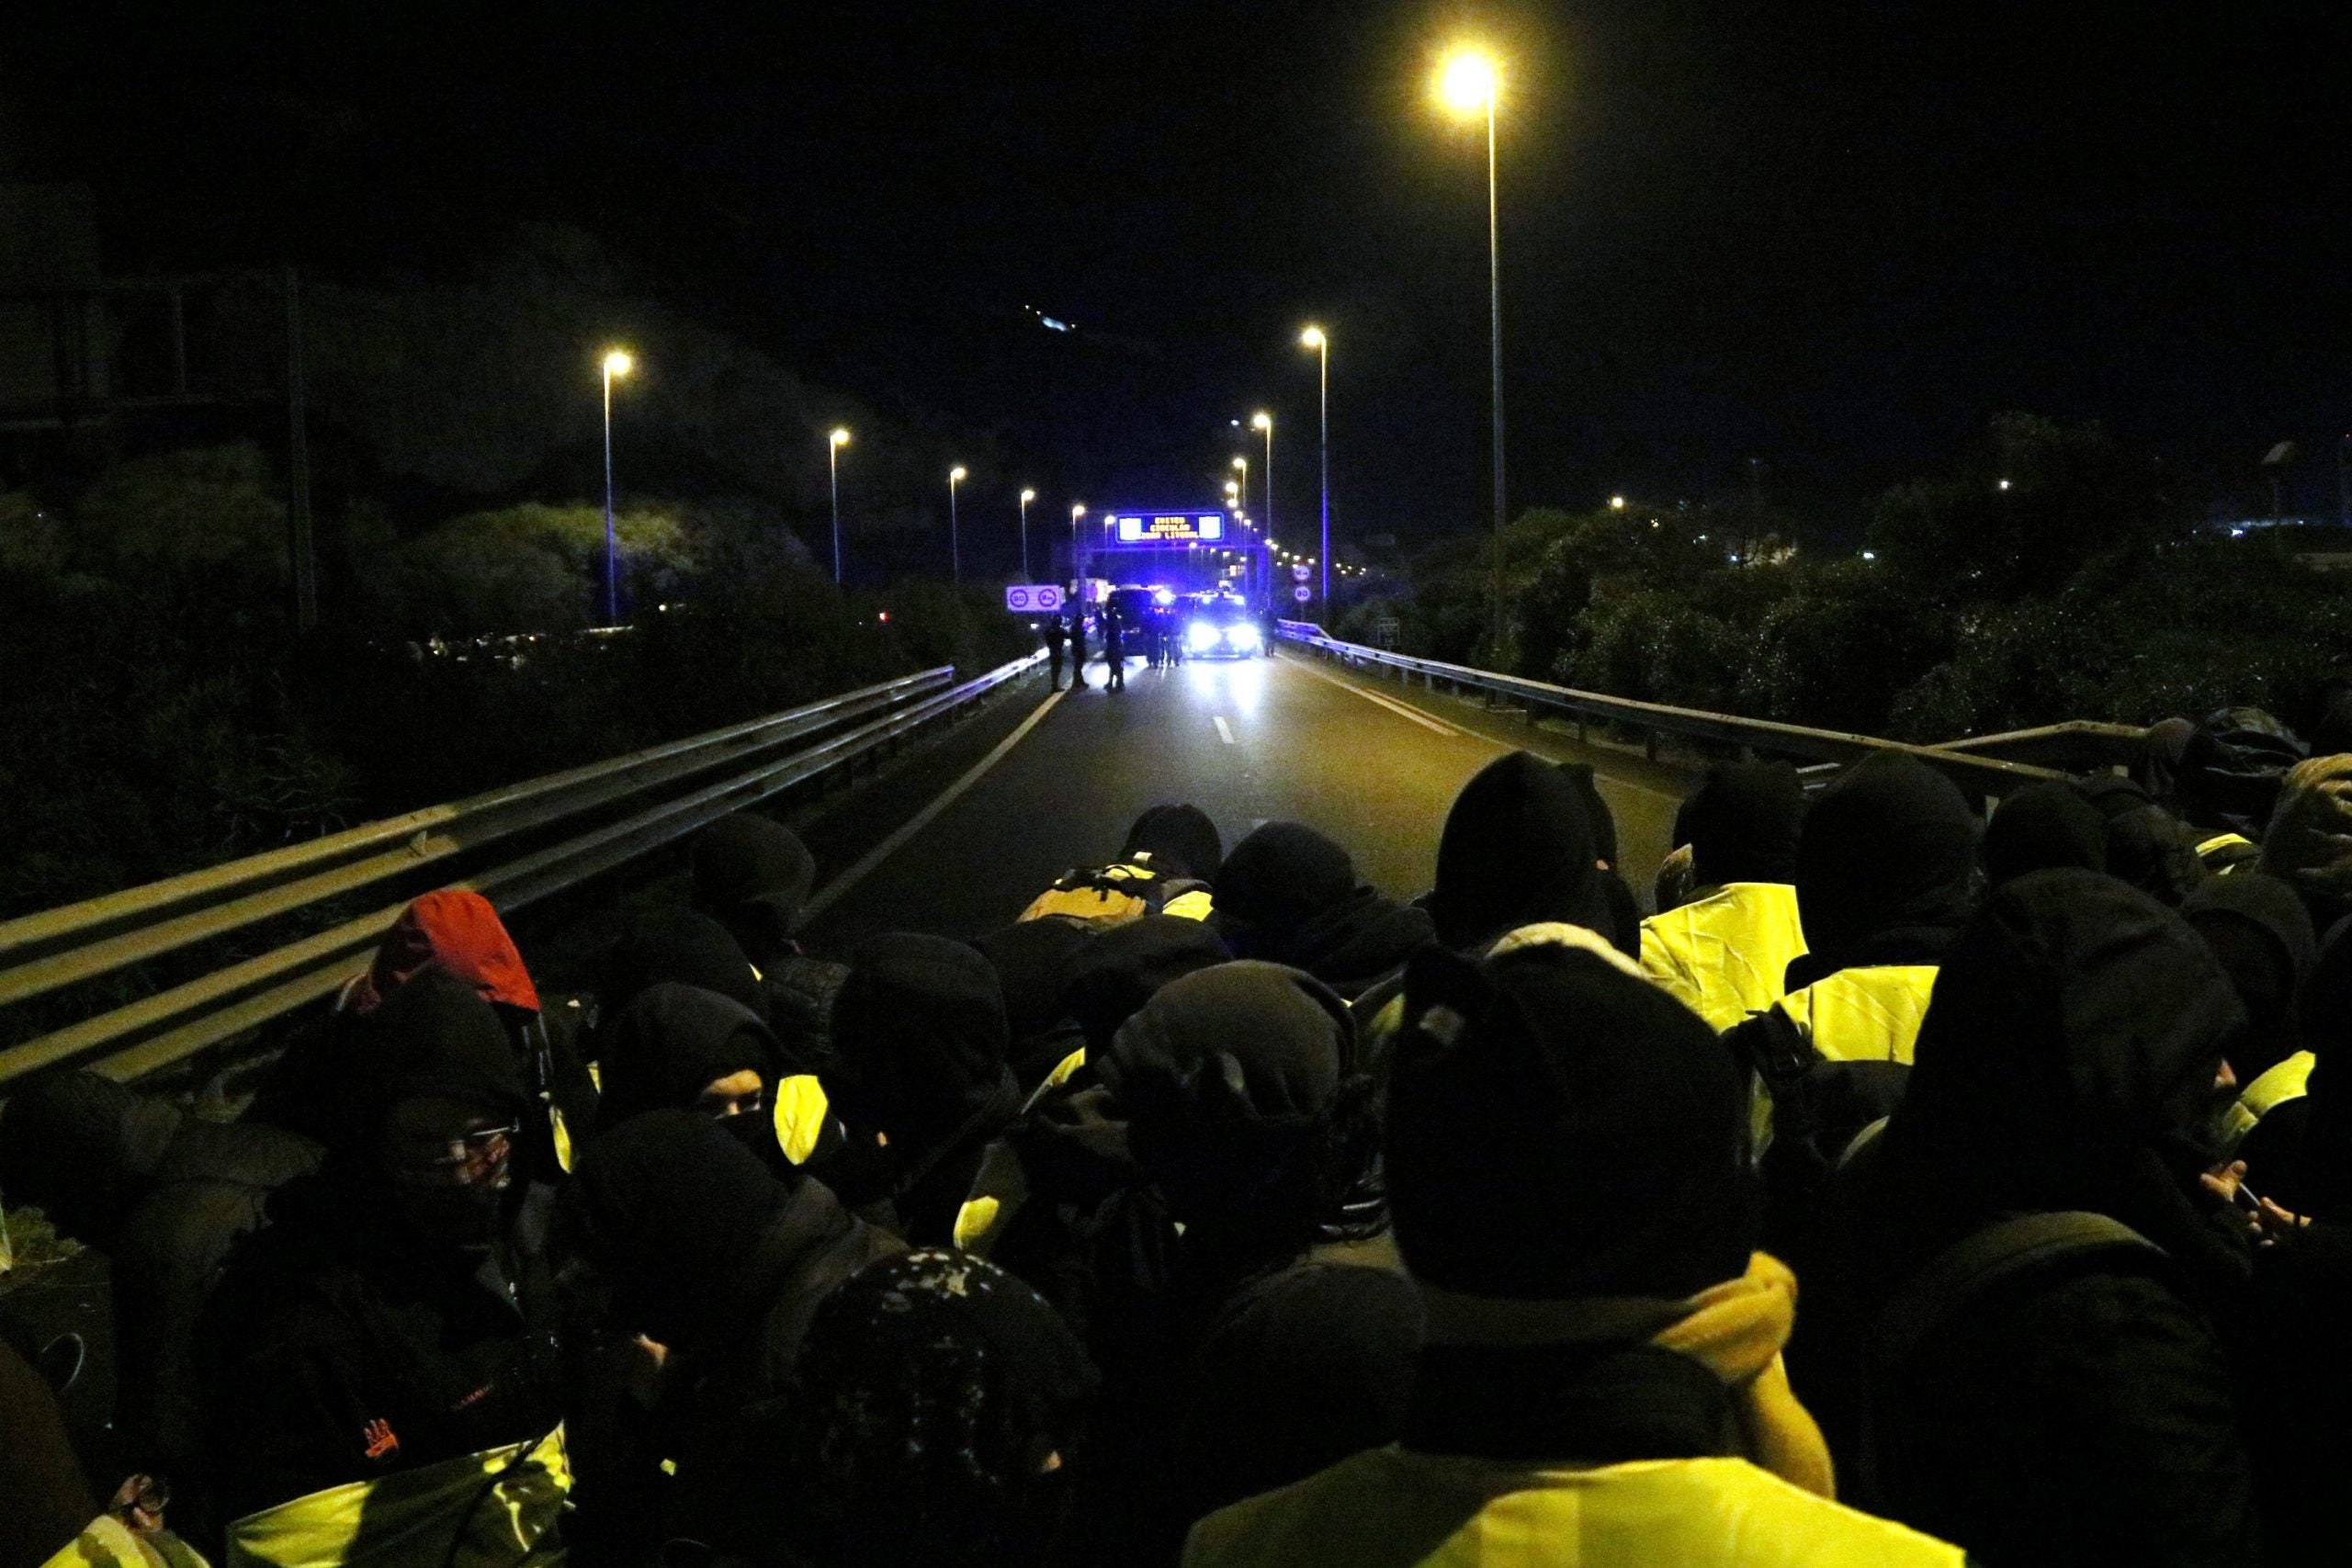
pixel 2286 1080
pixel 1870 1014
pixel 1724 954
pixel 1390 1509
pixel 107 1542
pixel 498 1509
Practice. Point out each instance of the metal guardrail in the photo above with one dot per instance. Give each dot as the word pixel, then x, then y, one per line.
pixel 1968 767
pixel 720 771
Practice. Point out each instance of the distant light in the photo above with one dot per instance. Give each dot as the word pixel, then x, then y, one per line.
pixel 1028 495
pixel 2237 533
pixel 1654 523
pixel 2004 485
pixel 1241 462
pixel 841 437
pixel 1311 338
pixel 1616 503
pixel 618 362
pixel 1077 509
pixel 955 474
pixel 1467 81
pixel 885 615
pixel 1054 325
pixel 1262 421
pixel 1869 555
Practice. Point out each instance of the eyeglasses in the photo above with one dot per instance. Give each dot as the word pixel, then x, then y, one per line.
pixel 474 1159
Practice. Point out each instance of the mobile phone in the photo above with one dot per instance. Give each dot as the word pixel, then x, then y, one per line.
pixel 2244 1198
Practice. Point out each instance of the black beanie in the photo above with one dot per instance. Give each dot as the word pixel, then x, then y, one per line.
pixel 749 859
pixel 434 1037
pixel 2041 828
pixel 1519 847
pixel 1890 845
pixel 1282 874
pixel 681 947
pixel 1115 974
pixel 1180 840
pixel 1742 823
pixel 1558 1128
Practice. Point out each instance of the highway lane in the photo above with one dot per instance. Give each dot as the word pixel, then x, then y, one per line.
pixel 1248 741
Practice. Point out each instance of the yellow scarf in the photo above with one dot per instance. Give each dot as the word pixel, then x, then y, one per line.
pixel 1737 1330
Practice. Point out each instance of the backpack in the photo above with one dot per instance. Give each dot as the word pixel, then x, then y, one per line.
pixel 1112 894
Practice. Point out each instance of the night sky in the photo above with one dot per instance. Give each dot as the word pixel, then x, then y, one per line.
pixel 1834 237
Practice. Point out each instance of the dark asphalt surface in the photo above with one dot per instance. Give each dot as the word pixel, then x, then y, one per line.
pixel 1370 763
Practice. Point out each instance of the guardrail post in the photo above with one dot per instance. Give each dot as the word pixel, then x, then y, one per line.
pixel 1649 744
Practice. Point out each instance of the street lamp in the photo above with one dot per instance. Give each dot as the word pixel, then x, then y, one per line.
pixel 833 444
pixel 616 363
pixel 1616 503
pixel 1076 579
pixel 1313 338
pixel 1262 421
pixel 1469 82
pixel 955 542
pixel 1027 497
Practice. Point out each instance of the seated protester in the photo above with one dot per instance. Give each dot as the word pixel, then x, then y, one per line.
pixel 2039 827
pixel 2309 842
pixel 1520 846
pixel 682 1048
pixel 454 931
pixel 2145 845
pixel 2048 1384
pixel 938 1415
pixel 2298 1151
pixel 753 876
pixel 1724 950
pixel 1030 958
pixel 718 1264
pixel 1600 1382
pixel 681 946
pixel 2258 929
pixel 1269 1348
pixel 45 1499
pixel 2229 779
pixel 164 1194
pixel 2163 753
pixel 921 1035
pixel 392 1324
pixel 1052 1198
pixel 1290 895
pixel 1169 864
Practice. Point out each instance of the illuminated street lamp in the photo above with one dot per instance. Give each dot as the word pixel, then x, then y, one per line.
pixel 616 363
pixel 955 543
pixel 1313 338
pixel 1027 497
pixel 1262 421
pixel 833 444
pixel 1616 503
pixel 1077 511
pixel 1469 82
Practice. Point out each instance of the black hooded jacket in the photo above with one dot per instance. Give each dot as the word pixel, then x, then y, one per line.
pixel 342 1343
pixel 1886 868
pixel 1743 824
pixel 1520 846
pixel 1290 895
pixel 921 1034
pixel 2065 1064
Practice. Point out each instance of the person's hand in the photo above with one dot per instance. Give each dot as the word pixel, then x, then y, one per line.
pixel 2224 1181
pixel 2275 1222
pixel 140 1503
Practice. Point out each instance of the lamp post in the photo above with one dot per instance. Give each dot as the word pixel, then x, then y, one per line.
pixel 833 444
pixel 1027 497
pixel 955 542
pixel 1314 338
pixel 1262 421
pixel 616 363
pixel 1469 82
pixel 1077 576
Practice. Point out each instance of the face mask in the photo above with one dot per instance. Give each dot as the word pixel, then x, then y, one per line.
pixel 752 1130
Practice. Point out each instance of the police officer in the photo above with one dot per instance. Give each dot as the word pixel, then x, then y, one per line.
pixel 1115 650
pixel 1057 640
pixel 1077 647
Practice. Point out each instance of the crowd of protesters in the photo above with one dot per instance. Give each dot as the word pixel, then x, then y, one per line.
pixel 1218 1207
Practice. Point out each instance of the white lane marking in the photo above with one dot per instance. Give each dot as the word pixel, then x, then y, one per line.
pixel 1224 730
pixel 1400 709
pixel 921 819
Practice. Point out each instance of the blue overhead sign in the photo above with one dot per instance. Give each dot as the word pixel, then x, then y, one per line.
pixel 1168 527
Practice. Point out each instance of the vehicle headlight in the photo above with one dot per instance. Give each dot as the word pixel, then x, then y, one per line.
pixel 1200 636
pixel 1242 635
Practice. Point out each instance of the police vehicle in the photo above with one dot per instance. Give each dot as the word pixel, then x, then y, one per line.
pixel 1219 625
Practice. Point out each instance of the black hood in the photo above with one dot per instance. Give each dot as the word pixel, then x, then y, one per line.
pixel 1519 848
pixel 2067 1061
pixel 2262 934
pixel 1290 895
pixel 754 875
pixel 2145 845
pixel 1886 867
pixel 1180 840
pixel 1742 823
pixel 920 1028
pixel 683 946
pixel 2231 769
pixel 670 1043
pixel 1115 972
pixel 1031 959
pixel 432 1037
pixel 2041 828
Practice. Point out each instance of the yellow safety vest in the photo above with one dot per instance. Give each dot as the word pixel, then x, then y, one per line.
pixel 2221 842
pixel 802 1111
pixel 498 1509
pixel 107 1542
pixel 1724 954
pixel 1391 1508
pixel 1868 1014
pixel 2286 1080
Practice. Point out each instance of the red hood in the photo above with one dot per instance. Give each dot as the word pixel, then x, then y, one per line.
pixel 455 930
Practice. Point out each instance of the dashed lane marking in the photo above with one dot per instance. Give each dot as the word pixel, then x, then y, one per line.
pixel 1224 730
pixel 921 819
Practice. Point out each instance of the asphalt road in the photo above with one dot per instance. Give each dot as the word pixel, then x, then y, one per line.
pixel 1248 741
